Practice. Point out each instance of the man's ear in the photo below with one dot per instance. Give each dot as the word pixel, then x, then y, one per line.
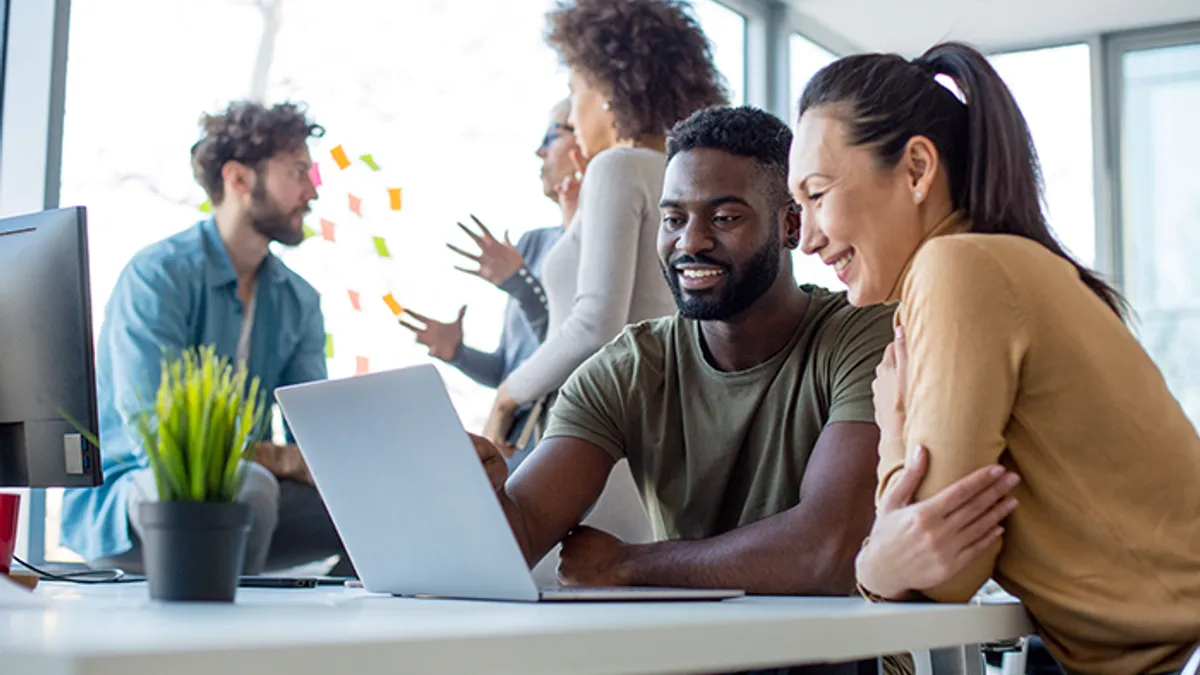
pixel 239 178
pixel 791 226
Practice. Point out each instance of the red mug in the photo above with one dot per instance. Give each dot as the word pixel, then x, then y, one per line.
pixel 10 508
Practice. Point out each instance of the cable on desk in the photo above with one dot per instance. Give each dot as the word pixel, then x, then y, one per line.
pixel 101 576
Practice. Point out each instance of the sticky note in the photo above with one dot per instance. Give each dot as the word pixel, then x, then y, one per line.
pixel 362 366
pixel 381 247
pixel 327 230
pixel 396 308
pixel 206 207
pixel 339 156
pixel 394 195
pixel 307 232
pixel 328 346
pixel 356 205
pixel 369 161
pixel 354 300
pixel 315 174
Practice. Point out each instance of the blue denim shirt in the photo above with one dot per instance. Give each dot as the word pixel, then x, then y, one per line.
pixel 178 293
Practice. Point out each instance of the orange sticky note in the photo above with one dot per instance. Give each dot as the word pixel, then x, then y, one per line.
pixel 327 230
pixel 354 300
pixel 396 307
pixel 362 366
pixel 356 205
pixel 394 194
pixel 339 156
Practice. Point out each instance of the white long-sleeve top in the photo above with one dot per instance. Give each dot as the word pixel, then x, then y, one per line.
pixel 604 272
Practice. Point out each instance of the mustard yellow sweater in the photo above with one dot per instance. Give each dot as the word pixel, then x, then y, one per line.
pixel 1013 359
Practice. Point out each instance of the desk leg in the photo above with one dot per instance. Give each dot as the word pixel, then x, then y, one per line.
pixel 964 660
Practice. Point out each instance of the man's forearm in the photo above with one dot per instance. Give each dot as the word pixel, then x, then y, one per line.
pixel 776 556
pixel 518 520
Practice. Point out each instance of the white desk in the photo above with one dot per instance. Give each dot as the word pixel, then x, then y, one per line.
pixel 116 630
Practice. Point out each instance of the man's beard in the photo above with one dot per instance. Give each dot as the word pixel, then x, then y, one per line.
pixel 270 220
pixel 742 288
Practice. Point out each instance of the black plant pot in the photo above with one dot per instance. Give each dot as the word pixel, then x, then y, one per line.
pixel 193 551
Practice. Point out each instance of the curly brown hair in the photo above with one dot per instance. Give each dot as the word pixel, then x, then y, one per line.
pixel 249 133
pixel 651 55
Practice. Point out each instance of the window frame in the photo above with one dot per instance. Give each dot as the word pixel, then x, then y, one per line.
pixel 1114 47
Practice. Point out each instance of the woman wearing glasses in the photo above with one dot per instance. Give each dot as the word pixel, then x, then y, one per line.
pixel 516 270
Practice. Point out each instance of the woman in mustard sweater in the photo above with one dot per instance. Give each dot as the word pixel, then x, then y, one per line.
pixel 918 182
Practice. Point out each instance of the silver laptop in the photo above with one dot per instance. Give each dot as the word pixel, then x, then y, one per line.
pixel 410 498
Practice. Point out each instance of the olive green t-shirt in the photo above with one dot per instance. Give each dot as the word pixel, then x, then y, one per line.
pixel 712 451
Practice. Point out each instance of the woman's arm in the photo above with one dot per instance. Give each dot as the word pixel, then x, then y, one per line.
pixel 966 338
pixel 613 207
pixel 527 290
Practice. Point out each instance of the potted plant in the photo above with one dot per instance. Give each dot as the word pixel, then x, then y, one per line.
pixel 202 424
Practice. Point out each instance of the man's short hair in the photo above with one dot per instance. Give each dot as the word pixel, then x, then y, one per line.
pixel 744 131
pixel 249 133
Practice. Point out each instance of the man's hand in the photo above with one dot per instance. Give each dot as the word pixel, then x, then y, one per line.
pixel 915 547
pixel 498 260
pixel 284 461
pixel 492 458
pixel 888 388
pixel 590 557
pixel 443 339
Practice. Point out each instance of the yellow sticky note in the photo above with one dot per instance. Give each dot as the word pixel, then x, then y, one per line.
pixel 308 232
pixel 328 346
pixel 381 247
pixel 206 207
pixel 369 161
pixel 394 195
pixel 396 308
pixel 339 156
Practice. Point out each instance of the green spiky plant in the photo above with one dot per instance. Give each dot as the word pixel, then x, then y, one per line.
pixel 203 422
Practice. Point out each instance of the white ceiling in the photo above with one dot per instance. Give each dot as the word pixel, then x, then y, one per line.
pixel 911 26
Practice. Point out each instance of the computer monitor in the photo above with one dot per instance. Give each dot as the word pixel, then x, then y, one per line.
pixel 47 363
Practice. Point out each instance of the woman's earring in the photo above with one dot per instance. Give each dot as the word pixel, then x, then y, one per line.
pixel 918 195
pixel 607 106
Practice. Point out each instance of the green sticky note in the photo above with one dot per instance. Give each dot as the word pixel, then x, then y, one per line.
pixel 381 247
pixel 206 207
pixel 308 232
pixel 369 161
pixel 328 346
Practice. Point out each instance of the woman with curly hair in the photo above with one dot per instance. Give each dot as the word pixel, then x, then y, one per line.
pixel 636 68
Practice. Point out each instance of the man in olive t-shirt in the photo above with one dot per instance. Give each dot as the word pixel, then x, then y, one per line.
pixel 713 450
pixel 747 419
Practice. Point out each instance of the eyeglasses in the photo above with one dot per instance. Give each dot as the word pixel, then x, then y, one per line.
pixel 554 132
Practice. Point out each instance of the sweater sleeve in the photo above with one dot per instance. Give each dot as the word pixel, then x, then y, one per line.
pixel 614 203
pixel 524 287
pixel 486 368
pixel 966 342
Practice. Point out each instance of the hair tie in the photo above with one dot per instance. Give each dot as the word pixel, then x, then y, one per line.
pixel 942 79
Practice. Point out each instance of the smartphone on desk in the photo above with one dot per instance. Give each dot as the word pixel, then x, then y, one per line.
pixel 277 582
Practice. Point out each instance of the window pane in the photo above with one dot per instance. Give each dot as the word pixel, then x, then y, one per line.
pixel 1054 89
pixel 726 30
pixel 805 59
pixel 1160 142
